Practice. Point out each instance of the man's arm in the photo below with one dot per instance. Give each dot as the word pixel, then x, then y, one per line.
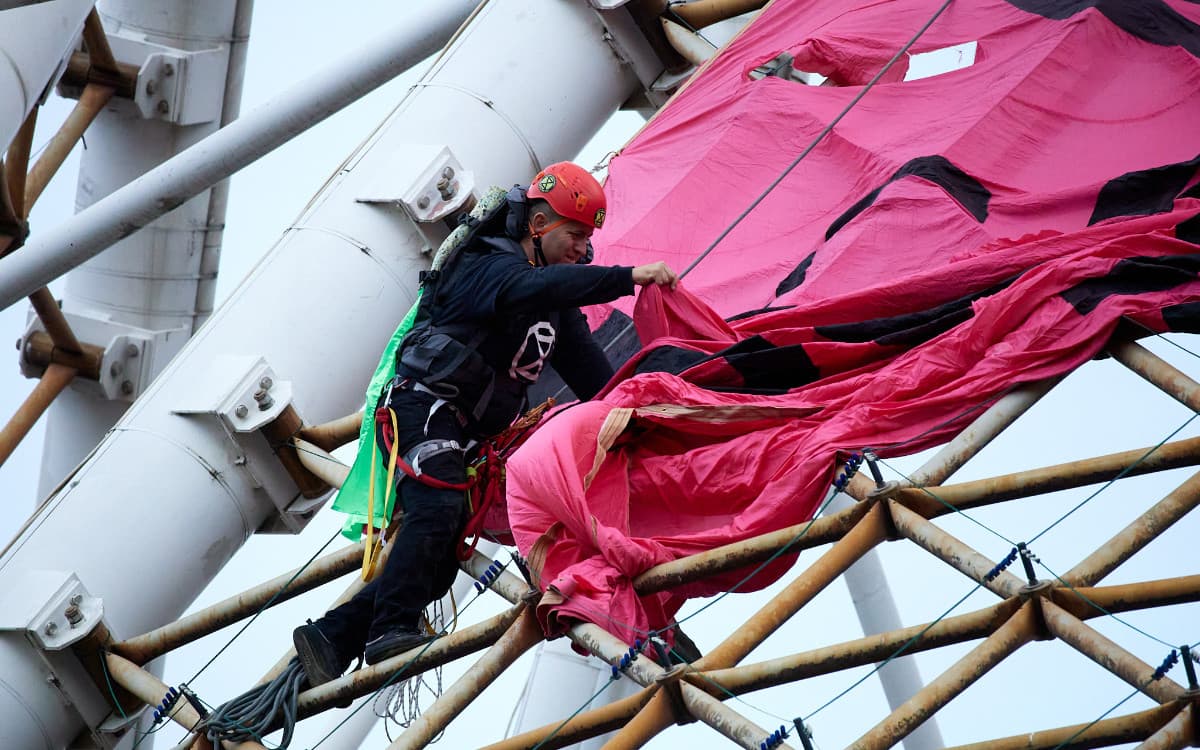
pixel 578 358
pixel 529 289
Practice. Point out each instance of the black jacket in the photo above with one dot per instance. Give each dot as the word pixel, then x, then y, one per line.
pixel 491 320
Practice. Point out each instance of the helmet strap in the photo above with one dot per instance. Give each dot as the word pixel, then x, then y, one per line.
pixel 539 257
pixel 536 236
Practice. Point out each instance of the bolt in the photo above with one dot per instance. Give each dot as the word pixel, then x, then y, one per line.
pixel 239 461
pixel 126 387
pixel 168 70
pixel 151 87
pixel 73 615
pixel 241 411
pixel 264 400
pixel 115 369
pixel 422 204
pixel 77 599
pixel 448 172
pixel 131 350
pixel 162 107
pixel 442 184
pixel 266 383
pixel 51 628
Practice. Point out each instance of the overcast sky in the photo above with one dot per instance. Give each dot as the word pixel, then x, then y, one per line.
pixel 1098 410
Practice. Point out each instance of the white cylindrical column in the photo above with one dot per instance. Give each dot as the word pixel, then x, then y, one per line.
pixel 34 40
pixel 151 279
pixel 877 613
pixel 559 682
pixel 166 498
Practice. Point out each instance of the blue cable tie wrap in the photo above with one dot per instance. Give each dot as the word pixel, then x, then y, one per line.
pixel 1171 660
pixel 1000 566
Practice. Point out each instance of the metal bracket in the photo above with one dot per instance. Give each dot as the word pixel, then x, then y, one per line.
pixel 426 181
pixel 244 394
pixel 668 81
pixel 48 624
pixel 428 184
pixel 133 356
pixel 780 66
pixel 181 86
pixel 630 46
pixel 56 622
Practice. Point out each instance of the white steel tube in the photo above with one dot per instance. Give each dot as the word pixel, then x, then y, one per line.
pixel 52 253
pixel 218 199
pixel 876 609
pixel 33 41
pixel 153 278
pixel 170 495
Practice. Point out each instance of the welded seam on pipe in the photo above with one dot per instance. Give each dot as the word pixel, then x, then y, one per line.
pixel 356 244
pixel 534 159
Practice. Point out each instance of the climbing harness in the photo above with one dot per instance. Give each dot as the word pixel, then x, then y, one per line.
pixel 484 487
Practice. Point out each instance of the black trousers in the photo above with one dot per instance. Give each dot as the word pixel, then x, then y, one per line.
pixel 422 564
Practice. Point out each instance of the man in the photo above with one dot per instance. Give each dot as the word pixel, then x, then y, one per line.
pixel 489 319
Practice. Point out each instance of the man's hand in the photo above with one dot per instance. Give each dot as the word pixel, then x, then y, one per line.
pixel 655 273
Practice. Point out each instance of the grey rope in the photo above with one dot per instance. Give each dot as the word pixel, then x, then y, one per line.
pixel 252 714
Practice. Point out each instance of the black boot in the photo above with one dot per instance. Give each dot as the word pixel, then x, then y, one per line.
pixel 394 642
pixel 320 658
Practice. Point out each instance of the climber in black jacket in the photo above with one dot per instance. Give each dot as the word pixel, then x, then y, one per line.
pixel 500 307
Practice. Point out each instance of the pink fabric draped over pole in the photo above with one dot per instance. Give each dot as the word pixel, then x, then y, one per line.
pixel 951 238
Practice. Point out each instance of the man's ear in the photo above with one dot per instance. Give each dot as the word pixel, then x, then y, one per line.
pixel 538 221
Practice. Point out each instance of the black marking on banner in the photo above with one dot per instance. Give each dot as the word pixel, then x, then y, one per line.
pixel 767 368
pixel 1182 318
pixel 962 187
pixel 1149 20
pixel 912 328
pixel 1144 192
pixel 1133 276
pixel 796 277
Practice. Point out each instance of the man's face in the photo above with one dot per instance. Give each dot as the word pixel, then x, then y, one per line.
pixel 565 243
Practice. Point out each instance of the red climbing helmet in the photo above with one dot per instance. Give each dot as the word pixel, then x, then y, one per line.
pixel 571 191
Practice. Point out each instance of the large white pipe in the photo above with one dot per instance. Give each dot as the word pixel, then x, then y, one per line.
pixel 166 499
pixel 34 40
pixel 51 253
pixel 153 279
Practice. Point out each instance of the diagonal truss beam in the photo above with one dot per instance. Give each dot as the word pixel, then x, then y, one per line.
pixel 958 629
pixel 1143 530
pixel 1016 632
pixel 867 533
pixel 1087 641
pixel 522 635
pixel 1179 732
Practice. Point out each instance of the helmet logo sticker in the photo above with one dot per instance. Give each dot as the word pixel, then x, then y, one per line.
pixel 547 183
pixel 599 221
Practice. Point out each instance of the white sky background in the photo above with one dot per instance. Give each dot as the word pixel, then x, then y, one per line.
pixel 1100 409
